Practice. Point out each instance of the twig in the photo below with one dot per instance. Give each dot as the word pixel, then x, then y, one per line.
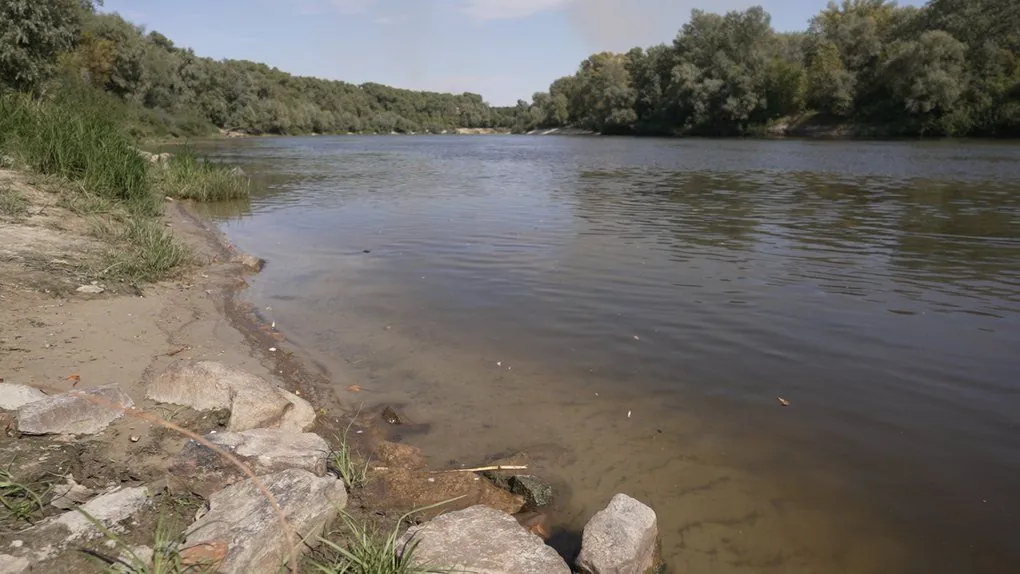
pixel 483 468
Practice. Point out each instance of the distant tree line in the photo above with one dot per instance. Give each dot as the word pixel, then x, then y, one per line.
pixel 949 68
pixel 48 45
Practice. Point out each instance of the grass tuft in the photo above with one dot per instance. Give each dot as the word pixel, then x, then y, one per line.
pixel 147 251
pixel 20 502
pixel 364 551
pixel 344 460
pixel 186 176
pixel 13 203
pixel 165 557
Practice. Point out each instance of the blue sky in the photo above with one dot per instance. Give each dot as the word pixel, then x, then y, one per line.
pixel 502 49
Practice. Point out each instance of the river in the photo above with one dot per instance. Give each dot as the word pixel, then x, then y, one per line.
pixel 629 311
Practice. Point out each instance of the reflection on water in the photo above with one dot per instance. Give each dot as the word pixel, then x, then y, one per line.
pixel 527 293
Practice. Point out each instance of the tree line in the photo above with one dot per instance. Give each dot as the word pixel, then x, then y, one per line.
pixel 948 68
pixel 67 45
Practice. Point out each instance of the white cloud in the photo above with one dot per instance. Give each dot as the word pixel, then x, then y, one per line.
pixel 509 9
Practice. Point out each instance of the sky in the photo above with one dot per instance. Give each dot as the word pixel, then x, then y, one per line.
pixel 501 49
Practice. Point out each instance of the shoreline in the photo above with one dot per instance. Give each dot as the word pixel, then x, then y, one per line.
pixel 117 338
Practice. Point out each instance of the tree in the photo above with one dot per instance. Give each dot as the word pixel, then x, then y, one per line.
pixel 927 75
pixel 33 33
pixel 830 86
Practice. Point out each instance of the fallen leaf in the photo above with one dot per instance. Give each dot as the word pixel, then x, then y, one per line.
pixel 783 401
pixel 354 389
pixel 75 378
pixel 205 554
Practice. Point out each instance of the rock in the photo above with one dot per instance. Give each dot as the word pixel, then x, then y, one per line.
pixel 501 478
pixel 108 508
pixel 535 491
pixel 481 540
pixel 250 261
pixel 69 495
pixel 620 539
pixel 90 289
pixel 87 411
pixel 253 401
pixel 389 415
pixel 263 450
pixel 13 564
pixel 236 171
pixel 13 397
pixel 242 517
pixel 398 488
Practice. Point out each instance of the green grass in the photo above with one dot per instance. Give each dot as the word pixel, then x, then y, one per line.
pixel 364 551
pixel 13 203
pixel 186 176
pixel 165 557
pixel 144 250
pixel 20 502
pixel 344 460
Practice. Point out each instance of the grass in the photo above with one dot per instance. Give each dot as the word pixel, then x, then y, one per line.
pixel 20 502
pixel 144 250
pixel 186 176
pixel 13 203
pixel 164 559
pixel 344 460
pixel 365 551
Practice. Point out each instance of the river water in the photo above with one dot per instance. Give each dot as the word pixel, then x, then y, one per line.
pixel 629 311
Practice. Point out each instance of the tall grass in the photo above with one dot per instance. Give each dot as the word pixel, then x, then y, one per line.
pixel 186 176
pixel 77 143
pixel 146 251
pixel 13 203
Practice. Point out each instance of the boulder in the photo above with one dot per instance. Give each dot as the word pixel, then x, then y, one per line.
pixel 253 401
pixel 482 540
pixel 242 517
pixel 87 411
pixel 13 397
pixel 108 508
pixel 250 261
pixel 263 450
pixel 535 491
pixel 620 539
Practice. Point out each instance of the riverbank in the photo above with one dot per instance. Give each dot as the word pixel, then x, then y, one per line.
pixel 146 482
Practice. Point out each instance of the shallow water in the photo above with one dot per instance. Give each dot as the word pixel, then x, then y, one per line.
pixel 629 310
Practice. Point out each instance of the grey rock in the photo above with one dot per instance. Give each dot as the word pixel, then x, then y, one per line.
pixel 13 397
pixel 13 564
pixel 535 491
pixel 70 494
pixel 620 539
pixel 263 450
pixel 90 289
pixel 108 508
pixel 86 411
pixel 253 401
pixel 242 516
pixel 482 540
pixel 250 261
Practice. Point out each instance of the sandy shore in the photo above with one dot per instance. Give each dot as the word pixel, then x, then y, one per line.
pixel 57 338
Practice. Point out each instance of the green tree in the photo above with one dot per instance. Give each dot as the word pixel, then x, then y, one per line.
pixel 33 33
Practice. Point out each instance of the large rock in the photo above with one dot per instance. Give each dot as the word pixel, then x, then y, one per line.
pixel 242 516
pixel 13 397
pixel 87 411
pixel 620 539
pixel 253 401
pixel 265 451
pixel 481 540
pixel 108 509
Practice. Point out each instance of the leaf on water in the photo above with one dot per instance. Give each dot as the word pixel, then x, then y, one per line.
pixel 783 401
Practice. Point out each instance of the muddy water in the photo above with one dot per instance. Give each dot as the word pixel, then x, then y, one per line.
pixel 628 311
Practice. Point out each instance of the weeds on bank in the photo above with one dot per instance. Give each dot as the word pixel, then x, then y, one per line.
pixel 145 251
pixel 186 176
pixel 364 551
pixel 13 203
pixel 164 559
pixel 20 502
pixel 344 460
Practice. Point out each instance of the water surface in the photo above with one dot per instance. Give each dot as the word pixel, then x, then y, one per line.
pixel 629 310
